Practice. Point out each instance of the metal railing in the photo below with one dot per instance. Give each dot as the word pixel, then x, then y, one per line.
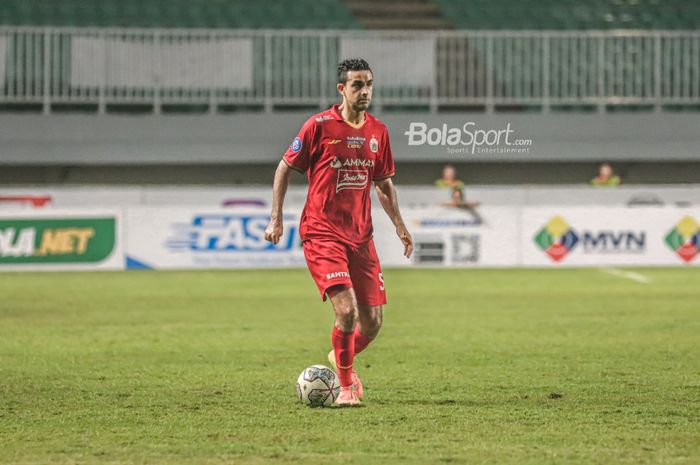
pixel 443 69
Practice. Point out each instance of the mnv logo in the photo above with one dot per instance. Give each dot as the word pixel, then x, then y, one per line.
pixel 231 233
pixel 556 238
pixel 684 239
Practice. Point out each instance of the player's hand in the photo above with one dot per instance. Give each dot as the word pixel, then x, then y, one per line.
pixel 274 230
pixel 406 238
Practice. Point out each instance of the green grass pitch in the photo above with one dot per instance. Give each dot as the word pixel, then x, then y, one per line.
pixel 472 367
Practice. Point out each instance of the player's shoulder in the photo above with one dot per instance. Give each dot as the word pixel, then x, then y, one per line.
pixel 320 118
pixel 376 121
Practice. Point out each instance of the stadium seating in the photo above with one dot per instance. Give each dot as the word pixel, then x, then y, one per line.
pixel 337 14
pixel 300 14
pixel 572 14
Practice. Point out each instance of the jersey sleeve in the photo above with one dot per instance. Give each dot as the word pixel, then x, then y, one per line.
pixel 298 154
pixel 385 163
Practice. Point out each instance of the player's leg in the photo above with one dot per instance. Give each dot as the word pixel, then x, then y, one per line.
pixel 368 282
pixel 369 323
pixel 328 264
pixel 346 317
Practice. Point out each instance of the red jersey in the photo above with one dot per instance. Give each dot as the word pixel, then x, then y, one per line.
pixel 341 162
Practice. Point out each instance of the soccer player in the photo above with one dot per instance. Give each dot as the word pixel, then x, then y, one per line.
pixel 344 150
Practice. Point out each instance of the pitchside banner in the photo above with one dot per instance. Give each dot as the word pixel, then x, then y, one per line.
pixel 60 240
pixel 170 238
pixel 167 238
pixel 610 236
pixel 451 237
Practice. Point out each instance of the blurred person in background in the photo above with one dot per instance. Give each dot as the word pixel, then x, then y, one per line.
pixel 449 178
pixel 606 177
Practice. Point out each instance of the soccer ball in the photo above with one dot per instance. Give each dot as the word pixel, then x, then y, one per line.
pixel 318 386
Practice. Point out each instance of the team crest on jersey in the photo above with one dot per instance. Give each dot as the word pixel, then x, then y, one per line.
pixel 374 145
pixel 296 145
pixel 355 142
pixel 335 163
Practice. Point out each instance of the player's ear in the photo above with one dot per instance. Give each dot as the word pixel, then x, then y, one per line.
pixel 341 87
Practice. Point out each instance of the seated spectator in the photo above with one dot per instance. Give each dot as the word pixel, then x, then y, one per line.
pixel 449 178
pixel 606 177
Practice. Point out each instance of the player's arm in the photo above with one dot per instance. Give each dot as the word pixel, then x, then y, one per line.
pixel 390 203
pixel 274 229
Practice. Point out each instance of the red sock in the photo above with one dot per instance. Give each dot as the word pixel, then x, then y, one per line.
pixel 361 341
pixel 344 348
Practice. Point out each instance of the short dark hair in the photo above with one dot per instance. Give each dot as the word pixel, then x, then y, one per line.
pixel 351 64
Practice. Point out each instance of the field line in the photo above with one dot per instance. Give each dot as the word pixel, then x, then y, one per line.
pixel 638 277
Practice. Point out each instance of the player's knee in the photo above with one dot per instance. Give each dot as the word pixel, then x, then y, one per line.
pixel 347 316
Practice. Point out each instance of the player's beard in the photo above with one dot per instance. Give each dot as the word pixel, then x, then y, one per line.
pixel 361 105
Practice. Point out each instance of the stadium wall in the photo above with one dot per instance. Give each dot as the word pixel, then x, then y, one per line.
pixel 245 148
pixel 261 138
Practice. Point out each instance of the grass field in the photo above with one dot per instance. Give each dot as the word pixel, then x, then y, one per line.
pixel 474 367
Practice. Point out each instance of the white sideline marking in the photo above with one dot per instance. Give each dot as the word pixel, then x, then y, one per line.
pixel 638 277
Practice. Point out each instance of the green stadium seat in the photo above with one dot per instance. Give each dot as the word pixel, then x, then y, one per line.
pixel 571 14
pixel 272 14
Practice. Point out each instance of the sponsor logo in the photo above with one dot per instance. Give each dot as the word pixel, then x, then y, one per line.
pixel 448 222
pixel 614 241
pixel 684 239
pixel 56 240
pixel 321 119
pixel 296 145
pixel 373 145
pixel 351 179
pixel 557 239
pixel 352 163
pixel 465 248
pixel 337 274
pixel 33 200
pixel 230 233
pixel 381 282
pixel 468 138
pixel 355 142
pixel 334 141
pixel 428 249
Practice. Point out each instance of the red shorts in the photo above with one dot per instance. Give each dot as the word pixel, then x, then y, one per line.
pixel 332 263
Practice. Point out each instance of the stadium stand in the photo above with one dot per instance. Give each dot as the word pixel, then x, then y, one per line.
pixel 301 14
pixel 571 14
pixel 393 14
pixel 354 14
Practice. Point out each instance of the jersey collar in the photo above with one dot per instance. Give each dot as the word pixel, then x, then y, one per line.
pixel 335 111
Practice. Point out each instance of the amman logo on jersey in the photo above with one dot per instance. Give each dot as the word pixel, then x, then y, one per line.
pixel 352 162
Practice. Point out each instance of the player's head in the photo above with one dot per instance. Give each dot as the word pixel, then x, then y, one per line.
pixel 355 83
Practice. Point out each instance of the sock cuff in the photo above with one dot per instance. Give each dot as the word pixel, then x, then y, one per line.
pixel 339 332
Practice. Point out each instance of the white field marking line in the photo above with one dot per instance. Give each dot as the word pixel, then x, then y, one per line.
pixel 638 277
